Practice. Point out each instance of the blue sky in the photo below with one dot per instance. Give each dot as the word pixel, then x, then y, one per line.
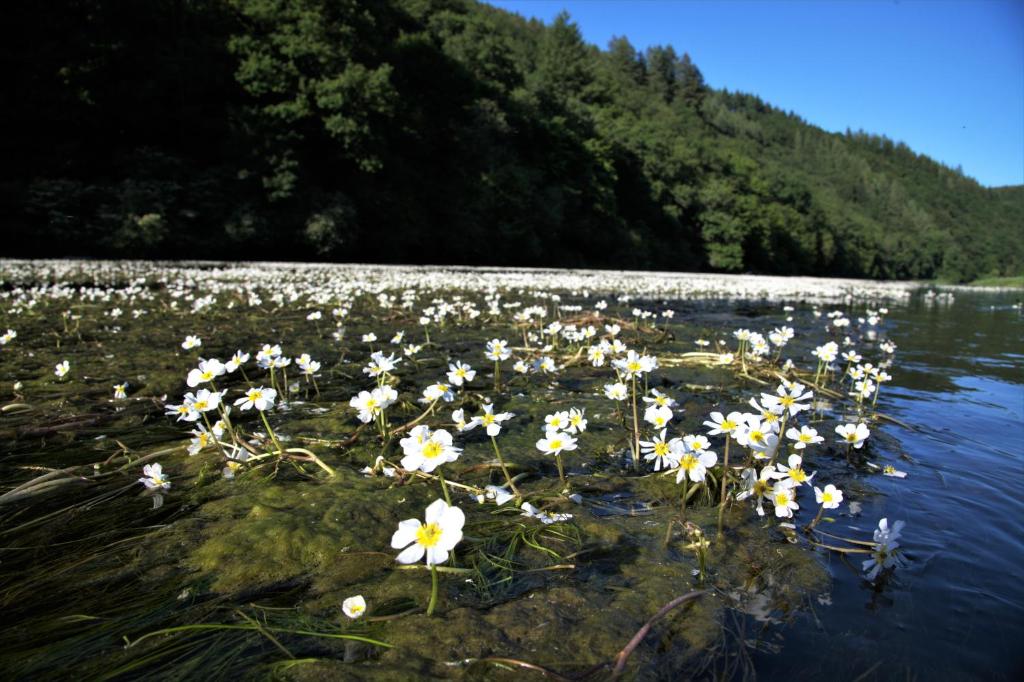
pixel 945 77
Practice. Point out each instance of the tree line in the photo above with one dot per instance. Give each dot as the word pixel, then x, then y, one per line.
pixel 445 131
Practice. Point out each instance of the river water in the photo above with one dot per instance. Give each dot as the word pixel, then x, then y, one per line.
pixel 956 610
pixel 88 565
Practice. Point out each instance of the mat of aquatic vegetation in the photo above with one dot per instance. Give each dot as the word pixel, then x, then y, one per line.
pixel 242 569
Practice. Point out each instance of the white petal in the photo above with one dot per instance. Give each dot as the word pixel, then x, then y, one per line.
pixel 410 554
pixel 406 533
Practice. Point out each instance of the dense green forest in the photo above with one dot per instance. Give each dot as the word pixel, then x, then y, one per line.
pixel 444 131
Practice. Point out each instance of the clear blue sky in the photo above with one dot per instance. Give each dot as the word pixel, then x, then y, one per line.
pixel 946 77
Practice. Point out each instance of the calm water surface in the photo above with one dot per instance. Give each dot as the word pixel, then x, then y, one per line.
pixel 956 611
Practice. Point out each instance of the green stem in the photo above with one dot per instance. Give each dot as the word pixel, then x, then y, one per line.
pixel 725 479
pixel 433 590
pixel 444 487
pixel 561 471
pixel 686 484
pixel 497 376
pixel 270 432
pixel 501 461
pixel 636 430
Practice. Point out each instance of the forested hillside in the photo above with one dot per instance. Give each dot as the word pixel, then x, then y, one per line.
pixel 444 131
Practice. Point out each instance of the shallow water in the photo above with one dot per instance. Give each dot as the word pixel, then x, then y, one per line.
pixel 957 610
pixel 91 563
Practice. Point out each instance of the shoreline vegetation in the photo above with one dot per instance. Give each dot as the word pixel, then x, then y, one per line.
pixel 241 129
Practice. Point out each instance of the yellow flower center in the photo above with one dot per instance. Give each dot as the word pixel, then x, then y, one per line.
pixel 781 499
pixel 728 425
pixel 432 449
pixel 255 395
pixel 661 449
pixel 805 438
pixel 827 497
pixel 633 366
pixel 555 444
pixel 428 535
pixel 798 475
pixel 689 462
pixel 487 419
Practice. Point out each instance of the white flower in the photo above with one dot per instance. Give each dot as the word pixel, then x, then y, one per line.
pixel 492 422
pixel 426 451
pixel 664 454
pixel 721 424
pixel 497 350
pixel 658 416
pixel 791 399
pixel 694 465
pixel 153 477
pixel 62 368
pixel 499 494
pixel 460 373
pixel 434 539
pixel 204 400
pixel 804 437
pixel 354 607
pixel 617 391
pixel 120 391
pixel 554 442
pixel 261 398
pixel 634 365
pixel 191 342
pixel 437 392
pixel 544 517
pixel 784 499
pixel 830 497
pixel 854 434
pixel 794 472
pixel 208 370
pixel 236 361
pixel 885 553
pixel 577 422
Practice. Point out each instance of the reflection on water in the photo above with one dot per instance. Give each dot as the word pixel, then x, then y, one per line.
pixel 957 610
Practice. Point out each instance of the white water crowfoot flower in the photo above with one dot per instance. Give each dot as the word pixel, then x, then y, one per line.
pixel 664 454
pixel 758 486
pixel 553 443
pixel 261 398
pixel 425 450
pixel 658 416
pixel 62 368
pixel 121 391
pixel 794 472
pixel 499 494
pixel 433 540
pixel 794 399
pixel 153 478
pixel 354 607
pixel 720 424
pixel 208 370
pixel 491 421
pixel 853 434
pixel 803 437
pixel 828 498
pixel 460 373
pixel 617 391
pixel 545 517
pixel 784 498
pixel 191 342
pixel 885 553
